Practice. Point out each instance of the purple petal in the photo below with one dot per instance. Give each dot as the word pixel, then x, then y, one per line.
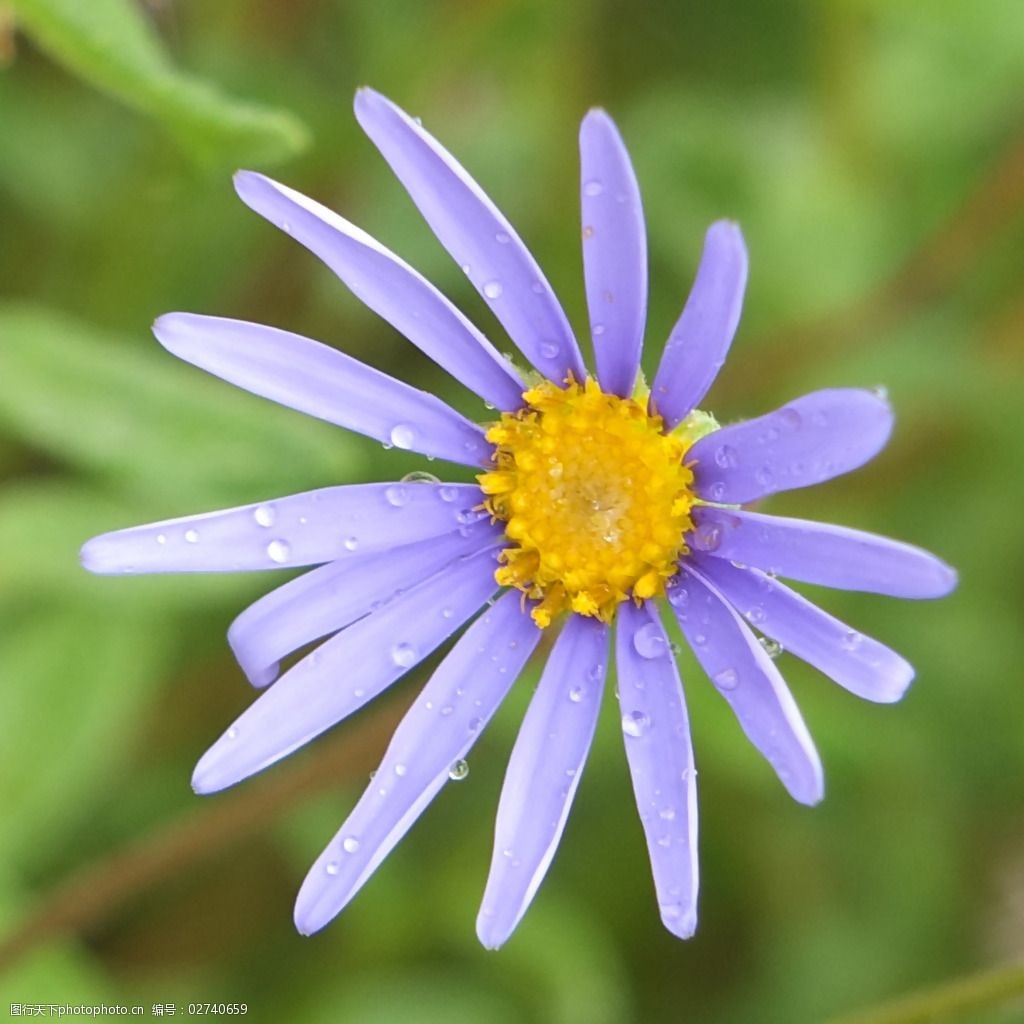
pixel 813 438
pixel 656 732
pixel 833 556
pixel 543 773
pixel 438 730
pixel 700 340
pixel 303 529
pixel 748 679
pixel 856 662
pixel 614 253
pixel 322 382
pixel 390 287
pixel 341 675
pixel 477 236
pixel 327 599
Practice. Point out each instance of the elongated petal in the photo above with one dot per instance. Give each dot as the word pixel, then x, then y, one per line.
pixel 477 236
pixel 656 731
pixel 390 287
pixel 327 599
pixel 749 681
pixel 543 773
pixel 341 675
pixel 438 730
pixel 614 253
pixel 833 556
pixel 813 438
pixel 303 529
pixel 856 662
pixel 700 340
pixel 319 381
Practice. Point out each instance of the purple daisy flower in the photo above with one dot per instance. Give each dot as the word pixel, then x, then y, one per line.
pixel 596 498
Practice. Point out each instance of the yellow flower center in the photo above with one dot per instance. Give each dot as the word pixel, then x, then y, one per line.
pixel 595 497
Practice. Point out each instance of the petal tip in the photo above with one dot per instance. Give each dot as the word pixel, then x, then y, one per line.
pixel 489 932
pixel 681 922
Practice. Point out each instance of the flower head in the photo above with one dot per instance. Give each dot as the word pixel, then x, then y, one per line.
pixel 596 499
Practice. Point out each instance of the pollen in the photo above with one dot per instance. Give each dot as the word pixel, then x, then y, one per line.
pixel 595 496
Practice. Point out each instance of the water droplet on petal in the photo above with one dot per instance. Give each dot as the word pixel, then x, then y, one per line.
pixel 161 538
pixel 400 769
pixel 493 290
pixel 707 537
pixel 278 551
pixel 716 492
pixel 402 436
pixel 192 536
pixel 764 476
pixel 549 350
pixel 851 641
pixel 593 188
pixel 726 679
pixel 458 771
pixel 350 844
pixel 448 493
pixel 418 476
pixel 726 456
pixel 791 417
pixel 771 647
pixel 397 495
pixel 635 723
pixel 332 867
pixel 403 655
pixel 598 330
pixel 264 515
pixel 577 693
pixel 503 238
pixel 351 543
pixel 649 641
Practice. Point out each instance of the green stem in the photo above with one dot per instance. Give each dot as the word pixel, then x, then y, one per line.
pixel 986 988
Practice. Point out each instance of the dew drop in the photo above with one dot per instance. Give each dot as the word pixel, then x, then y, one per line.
pixel 596 672
pixel 577 693
pixel 598 330
pixel 332 867
pixel 716 492
pixel 475 724
pixel 264 515
pixel 771 647
pixel 403 655
pixel 161 538
pixel 191 536
pixel 593 188
pixel 397 495
pixel 278 551
pixel 503 238
pixel 447 710
pixel 418 476
pixel 707 537
pixel 726 679
pixel 649 641
pixel 764 476
pixel 400 769
pixel 791 417
pixel 466 269
pixel 232 733
pixel 448 493
pixel 851 641
pixel 402 436
pixel 667 814
pixel 755 614
pixel 725 456
pixel 664 840
pixel 447 613
pixel 635 723
pixel 493 290
pixel 350 844
pixel 549 350
pixel 588 232
pixel 351 543
pixel 458 771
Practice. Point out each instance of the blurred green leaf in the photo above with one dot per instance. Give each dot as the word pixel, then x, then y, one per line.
pixel 109 44
pixel 91 672
pixel 130 413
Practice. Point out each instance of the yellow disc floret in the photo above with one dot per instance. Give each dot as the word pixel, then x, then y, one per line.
pixel 595 497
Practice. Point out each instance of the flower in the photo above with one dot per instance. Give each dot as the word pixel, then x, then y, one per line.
pixel 596 499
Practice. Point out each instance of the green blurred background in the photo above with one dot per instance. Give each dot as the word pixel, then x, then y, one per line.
pixel 873 152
